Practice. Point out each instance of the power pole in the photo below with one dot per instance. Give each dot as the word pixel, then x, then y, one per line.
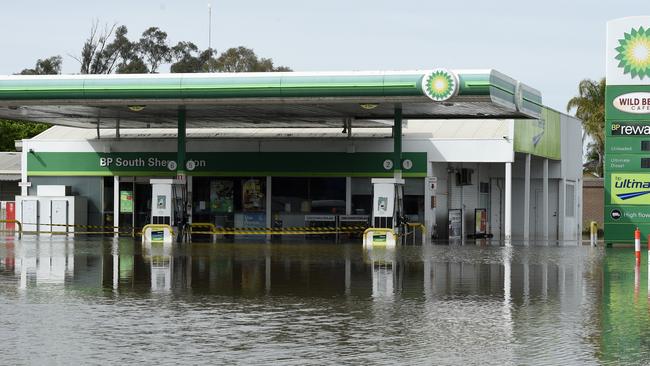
pixel 209 26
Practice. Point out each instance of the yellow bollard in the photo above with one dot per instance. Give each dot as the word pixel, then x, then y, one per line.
pixel 594 233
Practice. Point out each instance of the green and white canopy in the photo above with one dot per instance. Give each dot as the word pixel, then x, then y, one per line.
pixel 293 99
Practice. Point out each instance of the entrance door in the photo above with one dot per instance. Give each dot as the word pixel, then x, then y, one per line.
pixel 570 221
pixel 538 214
pixel 142 205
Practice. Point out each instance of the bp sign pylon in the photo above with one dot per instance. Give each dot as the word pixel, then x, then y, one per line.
pixel 627 129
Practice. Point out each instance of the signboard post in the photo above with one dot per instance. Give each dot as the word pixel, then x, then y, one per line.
pixel 627 129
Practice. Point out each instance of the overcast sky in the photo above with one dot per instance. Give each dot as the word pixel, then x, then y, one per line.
pixel 550 45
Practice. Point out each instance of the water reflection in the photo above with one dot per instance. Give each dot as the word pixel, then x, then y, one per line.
pixel 443 304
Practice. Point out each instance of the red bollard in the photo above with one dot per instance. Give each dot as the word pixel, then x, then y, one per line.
pixel 637 246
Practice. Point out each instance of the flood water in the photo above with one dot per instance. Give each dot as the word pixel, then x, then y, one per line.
pixel 94 302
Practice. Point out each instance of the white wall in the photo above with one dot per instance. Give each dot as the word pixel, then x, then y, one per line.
pixel 572 172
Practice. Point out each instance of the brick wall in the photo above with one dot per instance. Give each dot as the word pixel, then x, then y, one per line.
pixel 593 200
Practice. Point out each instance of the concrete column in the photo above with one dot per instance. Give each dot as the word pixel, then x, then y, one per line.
pixel 545 199
pixel 429 212
pixel 116 205
pixel 508 205
pixel 527 199
pixel 180 154
pixel 348 195
pixel 190 201
pixel 23 168
pixel 397 142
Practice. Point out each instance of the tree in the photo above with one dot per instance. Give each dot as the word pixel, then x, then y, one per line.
pixel 17 130
pixel 96 55
pixel 48 66
pixel 242 59
pixel 589 105
pixel 154 49
pixel 189 58
pixel 130 60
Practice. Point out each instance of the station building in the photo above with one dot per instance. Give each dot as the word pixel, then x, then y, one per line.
pixel 486 159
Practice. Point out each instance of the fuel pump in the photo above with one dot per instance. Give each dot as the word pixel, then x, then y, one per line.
pixel 388 218
pixel 165 210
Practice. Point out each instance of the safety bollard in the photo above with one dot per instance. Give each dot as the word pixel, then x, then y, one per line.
pixel 637 246
pixel 594 233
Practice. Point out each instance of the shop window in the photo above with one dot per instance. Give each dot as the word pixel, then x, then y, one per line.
pixel 361 196
pixel 229 201
pixel 308 195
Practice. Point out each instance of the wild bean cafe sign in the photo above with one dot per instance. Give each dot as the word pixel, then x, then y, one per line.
pixel 627 138
pixel 637 103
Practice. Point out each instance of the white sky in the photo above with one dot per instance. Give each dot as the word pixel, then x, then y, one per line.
pixel 549 45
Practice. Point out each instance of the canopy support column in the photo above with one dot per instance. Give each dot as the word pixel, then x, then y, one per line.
pixel 545 199
pixel 180 156
pixel 181 189
pixel 397 142
pixel 508 205
pixel 116 206
pixel 527 199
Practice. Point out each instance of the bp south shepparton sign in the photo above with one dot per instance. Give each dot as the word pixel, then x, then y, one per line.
pixel 627 129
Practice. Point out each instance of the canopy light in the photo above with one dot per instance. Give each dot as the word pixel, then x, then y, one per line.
pixel 368 106
pixel 136 108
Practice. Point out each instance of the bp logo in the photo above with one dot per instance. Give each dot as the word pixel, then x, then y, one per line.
pixel 440 84
pixel 634 53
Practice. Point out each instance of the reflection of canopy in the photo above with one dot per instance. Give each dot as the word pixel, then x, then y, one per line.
pixel 258 99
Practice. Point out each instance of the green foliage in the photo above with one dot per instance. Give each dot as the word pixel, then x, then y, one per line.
pixel 189 58
pixel 242 59
pixel 17 130
pixel 154 49
pixel 48 66
pixel 110 50
pixel 589 105
pixel 133 66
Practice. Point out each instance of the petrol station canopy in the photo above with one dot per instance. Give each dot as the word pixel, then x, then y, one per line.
pixel 275 100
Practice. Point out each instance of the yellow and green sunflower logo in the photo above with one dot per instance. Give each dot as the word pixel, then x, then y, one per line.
pixel 439 85
pixel 634 53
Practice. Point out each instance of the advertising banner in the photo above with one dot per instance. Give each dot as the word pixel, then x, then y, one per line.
pixel 455 224
pixel 126 201
pixel 480 221
pixel 221 196
pixel 627 129
pixel 252 195
pixel 630 189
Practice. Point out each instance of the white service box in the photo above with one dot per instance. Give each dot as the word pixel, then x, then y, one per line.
pixel 52 191
pixel 52 214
